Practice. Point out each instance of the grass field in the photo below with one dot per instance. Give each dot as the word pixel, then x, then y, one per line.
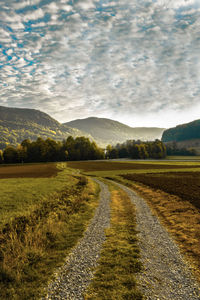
pixel 41 220
pixel 21 195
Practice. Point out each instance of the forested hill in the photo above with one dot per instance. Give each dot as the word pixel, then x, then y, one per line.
pixel 107 131
pixel 33 116
pixel 182 132
pixel 17 124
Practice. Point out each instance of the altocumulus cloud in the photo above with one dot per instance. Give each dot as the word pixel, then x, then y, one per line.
pixel 135 61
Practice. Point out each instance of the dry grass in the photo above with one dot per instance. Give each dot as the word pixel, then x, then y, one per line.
pixel 180 217
pixel 185 185
pixel 118 264
pixel 32 246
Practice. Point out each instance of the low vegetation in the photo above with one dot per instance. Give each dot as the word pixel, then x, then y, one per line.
pixel 184 185
pixel 175 209
pixel 37 236
pixel 119 261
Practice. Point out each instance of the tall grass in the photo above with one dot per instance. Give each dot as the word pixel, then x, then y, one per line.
pixel 33 244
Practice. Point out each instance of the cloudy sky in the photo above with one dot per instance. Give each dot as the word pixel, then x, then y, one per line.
pixel 135 61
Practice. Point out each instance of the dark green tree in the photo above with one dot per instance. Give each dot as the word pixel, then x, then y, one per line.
pixel 10 155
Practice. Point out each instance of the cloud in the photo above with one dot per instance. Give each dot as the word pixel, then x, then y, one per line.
pixel 130 60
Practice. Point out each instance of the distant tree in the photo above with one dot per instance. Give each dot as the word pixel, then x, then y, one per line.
pixel 21 153
pixel 113 153
pixel 10 155
pixel 1 156
pixel 134 151
pixel 41 150
pixel 137 150
pixel 143 151
pixel 108 151
pixel 123 152
pixel 51 150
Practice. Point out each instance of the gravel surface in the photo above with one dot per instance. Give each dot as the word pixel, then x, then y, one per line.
pixel 74 277
pixel 165 275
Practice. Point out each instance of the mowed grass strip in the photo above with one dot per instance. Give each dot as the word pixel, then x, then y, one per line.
pixel 119 260
pixel 34 244
pixel 179 216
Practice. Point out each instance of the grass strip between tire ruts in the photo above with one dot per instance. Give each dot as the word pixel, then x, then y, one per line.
pixel 119 261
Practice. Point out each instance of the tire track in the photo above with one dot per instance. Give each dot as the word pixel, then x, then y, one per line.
pixel 75 275
pixel 165 275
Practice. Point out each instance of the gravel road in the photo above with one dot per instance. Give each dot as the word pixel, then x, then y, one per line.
pixel 74 277
pixel 165 275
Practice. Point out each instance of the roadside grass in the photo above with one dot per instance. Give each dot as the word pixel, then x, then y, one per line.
pixel 19 196
pixel 119 261
pixel 179 216
pixel 36 241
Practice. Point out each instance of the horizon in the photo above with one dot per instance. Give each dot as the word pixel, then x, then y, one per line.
pixel 99 118
pixel 136 63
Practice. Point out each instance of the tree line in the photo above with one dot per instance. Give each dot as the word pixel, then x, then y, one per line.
pixel 137 150
pixel 174 149
pixel 49 150
pixel 80 148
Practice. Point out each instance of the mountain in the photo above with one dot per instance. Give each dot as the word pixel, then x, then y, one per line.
pixel 17 124
pixel 184 132
pixel 185 135
pixel 106 131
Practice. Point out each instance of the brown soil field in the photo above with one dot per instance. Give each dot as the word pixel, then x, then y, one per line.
pixel 28 171
pixel 185 185
pixel 89 166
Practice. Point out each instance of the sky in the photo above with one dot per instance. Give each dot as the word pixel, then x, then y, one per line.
pixel 135 61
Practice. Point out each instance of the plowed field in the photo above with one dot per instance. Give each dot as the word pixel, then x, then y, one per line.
pixel 28 171
pixel 185 185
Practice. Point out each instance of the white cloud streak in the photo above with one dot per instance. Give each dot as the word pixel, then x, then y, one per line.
pixel 131 60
